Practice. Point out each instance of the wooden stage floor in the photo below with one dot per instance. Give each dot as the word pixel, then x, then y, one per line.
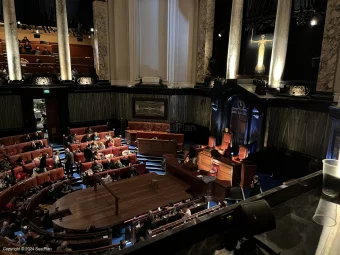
pixel 136 197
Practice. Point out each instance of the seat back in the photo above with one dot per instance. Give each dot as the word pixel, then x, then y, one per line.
pixel 77 131
pixel 79 157
pixel 26 156
pixel 243 152
pixel 212 142
pixel 48 150
pixel 226 141
pixel 152 126
pixel 43 178
pixel 100 128
pixel 28 168
pixel 11 150
pixel 57 174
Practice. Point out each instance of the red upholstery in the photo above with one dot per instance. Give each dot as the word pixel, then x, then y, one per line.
pixel 42 178
pixel 10 140
pixel 78 131
pixel 117 142
pixel 49 163
pixel 82 146
pixel 48 150
pixel 212 142
pixel 153 126
pixel 57 174
pixel 20 147
pixel 12 159
pixel 26 156
pixel 11 150
pixel 141 169
pixel 31 182
pixel 17 170
pixel 242 154
pixel 79 157
pixel 100 128
pixel 132 158
pixel 87 165
pixel 107 151
pixel 226 141
pixel 28 168
pixel 36 153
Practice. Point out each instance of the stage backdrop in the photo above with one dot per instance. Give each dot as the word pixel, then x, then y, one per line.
pixel 104 106
pixel 11 112
pixel 299 130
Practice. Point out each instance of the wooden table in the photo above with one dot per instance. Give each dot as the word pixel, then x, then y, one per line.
pixel 136 197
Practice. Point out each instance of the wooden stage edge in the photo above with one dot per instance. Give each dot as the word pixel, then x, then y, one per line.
pixel 136 197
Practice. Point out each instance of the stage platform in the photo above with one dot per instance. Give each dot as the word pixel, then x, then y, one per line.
pixel 136 197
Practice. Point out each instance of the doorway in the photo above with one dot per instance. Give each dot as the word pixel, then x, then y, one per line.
pixel 39 109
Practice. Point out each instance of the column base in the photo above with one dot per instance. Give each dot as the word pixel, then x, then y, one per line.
pixel 67 82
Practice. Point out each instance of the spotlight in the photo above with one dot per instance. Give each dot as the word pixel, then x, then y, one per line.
pixel 220 34
pixel 92 30
pixel 314 22
pixel 37 31
pixel 89 36
pixel 19 22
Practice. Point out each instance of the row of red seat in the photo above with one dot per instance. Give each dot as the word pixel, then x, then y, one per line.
pixel 140 168
pixel 82 130
pixel 17 189
pixel 31 155
pixel 9 140
pixel 81 146
pixel 14 149
pixel 100 134
pixel 116 151
pixel 87 165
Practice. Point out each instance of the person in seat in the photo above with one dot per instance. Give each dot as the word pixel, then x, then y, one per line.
pixel 27 47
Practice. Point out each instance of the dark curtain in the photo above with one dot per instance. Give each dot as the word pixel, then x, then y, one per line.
pixel 43 12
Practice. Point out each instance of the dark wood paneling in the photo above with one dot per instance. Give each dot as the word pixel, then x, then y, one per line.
pixel 11 116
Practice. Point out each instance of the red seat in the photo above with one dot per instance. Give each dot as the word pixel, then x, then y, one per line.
pixel 11 150
pixel 107 151
pixel 36 153
pixel 79 157
pixel 13 159
pixel 117 142
pixel 17 170
pixel 21 146
pixel 31 182
pixel 141 169
pixel 26 156
pixel 43 178
pixel 132 158
pixel 85 166
pixel 49 163
pixel 242 154
pixel 57 174
pixel 48 150
pixel 212 142
pixel 78 131
pixel 28 168
pixel 100 128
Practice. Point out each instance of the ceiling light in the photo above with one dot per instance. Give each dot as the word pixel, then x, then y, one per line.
pixel 92 30
pixel 19 22
pixel 37 31
pixel 313 22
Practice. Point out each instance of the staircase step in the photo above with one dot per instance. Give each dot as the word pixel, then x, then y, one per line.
pixel 154 168
pixel 148 157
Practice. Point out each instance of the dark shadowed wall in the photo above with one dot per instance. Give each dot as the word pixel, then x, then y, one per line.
pixel 105 105
pixel 11 112
pixel 299 130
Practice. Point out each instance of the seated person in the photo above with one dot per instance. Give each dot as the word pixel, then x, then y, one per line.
pixel 63 247
pixel 185 212
pixel 96 155
pixel 87 138
pixel 110 143
pixel 95 136
pixel 88 154
pixel 7 230
pixel 66 189
pixel 9 179
pixel 25 40
pixel 37 51
pixel 149 224
pixel 88 130
pixel 33 146
pixel 94 146
pixel 133 172
pixel 27 47
pixel 101 146
pixel 36 171
pixel 19 162
pixel 107 179
pixel 43 163
pixel 30 239
pixel 117 164
pixel 35 136
pixel 71 138
pixel 46 220
pixel 171 208
pixel 27 138
pixel 97 167
pixel 46 51
pixel 108 136
pixel 125 161
pixel 52 194
pixel 40 144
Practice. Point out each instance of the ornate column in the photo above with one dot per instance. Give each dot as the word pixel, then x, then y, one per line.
pixel 12 47
pixel 63 41
pixel 235 34
pixel 329 70
pixel 101 42
pixel 280 43
pixel 205 38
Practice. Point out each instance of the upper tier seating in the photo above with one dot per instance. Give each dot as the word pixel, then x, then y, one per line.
pixel 82 130
pixel 14 149
pixel 9 140
pixel 75 146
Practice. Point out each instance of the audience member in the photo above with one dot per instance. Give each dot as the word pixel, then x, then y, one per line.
pixel 117 164
pixel 9 179
pixel 20 47
pixel 19 161
pixel 56 159
pixel 46 51
pixel 25 40
pixel 27 47
pixel 7 230
pixel 94 146
pixel 40 144
pixel 69 161
pixel 125 161
pixel 122 244
pixel 101 146
pixel 255 186
pixel 95 136
pixel 88 154
pixel 63 247
pixel 37 51
pixel 43 163
pixel 88 130
pixel 185 212
pixel 107 179
pixel 71 138
pixel 66 189
pixel 96 155
pixel 110 143
pixel 87 138
pixel 108 136
pixel 148 225
pixel 33 146
pixel 27 138
pixel 46 220
pixel 35 136
pixel 97 167
pixel 52 194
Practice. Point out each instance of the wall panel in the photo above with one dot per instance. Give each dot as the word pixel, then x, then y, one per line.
pixel 102 106
pixel 299 130
pixel 11 112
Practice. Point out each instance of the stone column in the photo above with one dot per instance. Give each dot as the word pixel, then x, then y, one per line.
pixel 280 43
pixel 234 46
pixel 329 70
pixel 12 46
pixel 100 40
pixel 63 41
pixel 205 38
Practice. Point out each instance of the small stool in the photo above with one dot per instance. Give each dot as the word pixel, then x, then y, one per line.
pixel 154 183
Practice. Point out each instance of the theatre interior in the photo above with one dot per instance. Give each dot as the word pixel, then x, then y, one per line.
pixel 170 127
